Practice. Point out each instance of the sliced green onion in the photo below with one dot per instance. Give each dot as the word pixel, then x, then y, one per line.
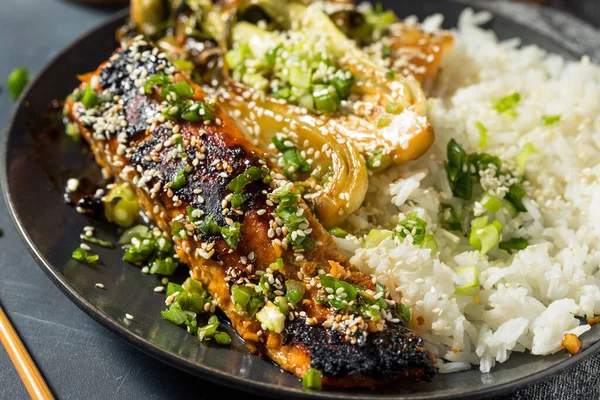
pixel 159 79
pixel 374 160
pixel 192 285
pixel 209 330
pixel 294 291
pixel 300 77
pixel 166 266
pixel 386 51
pixel 514 244
pixel 282 303
pixel 468 281
pixel 403 312
pixel 383 121
pixel 72 130
pixel 17 80
pixel 195 111
pixel 121 205
pixel 90 98
pixel 515 197
pixel 312 380
pixel 339 287
pixel 281 93
pixel 95 240
pixel 236 56
pixel 490 203
pixel 342 81
pixel 452 217
pixel 550 119
pixel 175 314
pixel 391 74
pixel 291 156
pixel 459 173
pixel 81 255
pixel 180 179
pixel 241 295
pixel 526 151
pixel 255 80
pixel 483 134
pixel 193 302
pixel 393 108
pixel 231 234
pixel 271 55
pixel 209 226
pixel 414 226
pixel 173 287
pixel 183 65
pixel 507 104
pixel 237 199
pixel 325 98
pixel 140 251
pixel 338 232
pixel 374 237
pixel 272 317
pixel 250 175
pixel 136 231
pixel 255 303
pixel 484 237
pixel 222 338
pixel 429 243
pixel 181 90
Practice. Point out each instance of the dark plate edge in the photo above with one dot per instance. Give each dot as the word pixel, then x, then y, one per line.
pixel 200 370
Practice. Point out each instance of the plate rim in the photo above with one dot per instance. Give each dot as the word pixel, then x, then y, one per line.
pixel 198 369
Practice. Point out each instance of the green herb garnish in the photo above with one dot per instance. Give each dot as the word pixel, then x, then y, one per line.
pixel 17 80
pixel 507 104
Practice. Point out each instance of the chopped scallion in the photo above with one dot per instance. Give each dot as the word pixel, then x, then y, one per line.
pixel 526 151
pixel 95 240
pixel 272 317
pixel 403 312
pixel 166 266
pixel 374 160
pixel 514 244
pixel 312 380
pixel 81 255
pixel 90 98
pixel 550 119
pixel 17 80
pixel 325 98
pixel 222 338
pixel 467 281
pixel 338 232
pixel 250 175
pixel 294 291
pixel 383 121
pixel 173 287
pixel 393 108
pixel 490 203
pixel 507 104
pixel 483 134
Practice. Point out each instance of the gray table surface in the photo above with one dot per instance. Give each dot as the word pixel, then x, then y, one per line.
pixel 78 357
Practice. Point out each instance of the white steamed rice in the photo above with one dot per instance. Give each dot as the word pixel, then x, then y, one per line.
pixel 527 301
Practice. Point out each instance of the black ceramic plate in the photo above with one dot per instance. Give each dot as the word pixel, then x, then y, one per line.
pixel 39 160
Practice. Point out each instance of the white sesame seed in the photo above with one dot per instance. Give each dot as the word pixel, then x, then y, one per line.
pixel 99 286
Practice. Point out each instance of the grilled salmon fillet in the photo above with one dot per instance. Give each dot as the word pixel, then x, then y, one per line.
pixel 188 175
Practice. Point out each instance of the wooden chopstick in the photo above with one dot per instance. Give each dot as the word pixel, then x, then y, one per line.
pixel 29 373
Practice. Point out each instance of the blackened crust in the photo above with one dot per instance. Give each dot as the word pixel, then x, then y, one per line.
pixel 385 355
